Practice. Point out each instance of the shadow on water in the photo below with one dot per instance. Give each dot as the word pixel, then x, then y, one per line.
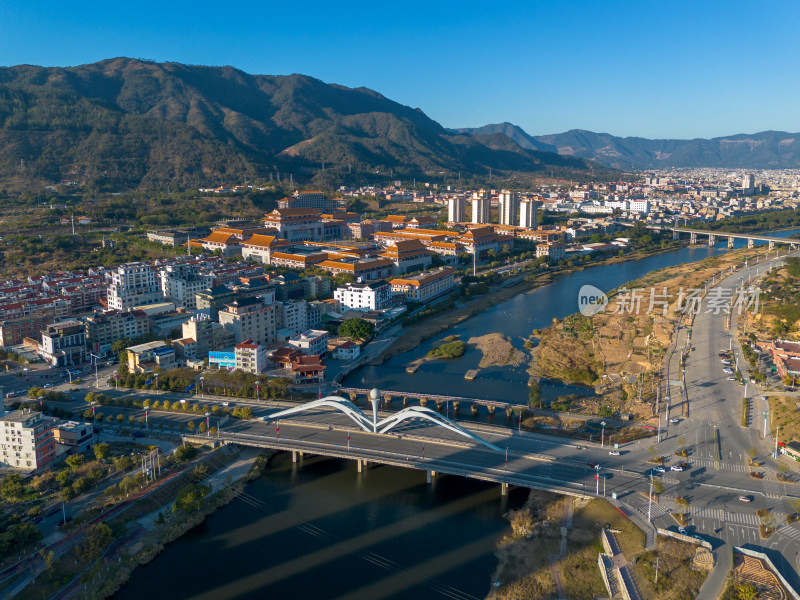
pixel 321 530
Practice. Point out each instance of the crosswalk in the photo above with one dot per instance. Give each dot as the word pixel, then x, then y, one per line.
pixel 790 532
pixel 742 519
pixel 707 513
pixel 719 465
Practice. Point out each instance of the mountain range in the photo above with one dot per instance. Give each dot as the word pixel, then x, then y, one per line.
pixel 765 150
pixel 126 123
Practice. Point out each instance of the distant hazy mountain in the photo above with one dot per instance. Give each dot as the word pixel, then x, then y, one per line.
pixel 132 123
pixel 765 150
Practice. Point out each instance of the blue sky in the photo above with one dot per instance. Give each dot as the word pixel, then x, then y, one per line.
pixel 639 67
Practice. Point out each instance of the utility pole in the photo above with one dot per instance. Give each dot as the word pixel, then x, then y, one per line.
pixel 650 498
pixel 656 579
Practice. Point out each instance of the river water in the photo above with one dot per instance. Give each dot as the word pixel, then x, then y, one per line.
pixel 516 318
pixel 321 530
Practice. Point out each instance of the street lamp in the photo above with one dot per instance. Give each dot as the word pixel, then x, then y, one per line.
pixel 202 390
pixel 208 424
pixel 69 374
pixel 603 434
pixel 96 376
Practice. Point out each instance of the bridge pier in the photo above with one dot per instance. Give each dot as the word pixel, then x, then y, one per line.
pixel 361 465
pixel 751 243
pixel 439 406
pixel 730 242
pixel 295 456
pixel 676 235
pixel 474 408
pixel 491 409
pixel 712 239
pixel 509 412
pixel 504 489
pixel 456 406
pixel 693 238
pixel 430 475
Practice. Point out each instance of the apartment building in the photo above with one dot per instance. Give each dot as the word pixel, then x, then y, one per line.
pixel 133 284
pixel 27 440
pixel 508 204
pixel 180 283
pixel 250 357
pixel 64 343
pixel 457 209
pixel 311 342
pixel 364 296
pixel 250 318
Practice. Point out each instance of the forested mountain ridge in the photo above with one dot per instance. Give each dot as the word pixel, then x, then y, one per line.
pixel 132 123
pixel 764 150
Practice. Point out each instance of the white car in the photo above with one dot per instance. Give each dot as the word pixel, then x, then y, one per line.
pixel 613 452
pixel 744 499
pixel 730 378
pixel 47 385
pixel 682 530
pixel 676 468
pixel 727 371
pixel 659 469
pixel 674 420
pixel 726 362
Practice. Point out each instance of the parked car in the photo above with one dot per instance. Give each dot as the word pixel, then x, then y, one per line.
pixel 744 499
pixel 726 362
pixel 676 468
pixel 727 371
pixel 613 452
pixel 674 420
pixel 682 530
pixel 730 378
pixel 659 469
pixel 47 385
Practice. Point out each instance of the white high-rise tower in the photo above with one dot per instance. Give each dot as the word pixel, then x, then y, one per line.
pixel 457 210
pixel 527 214
pixel 480 207
pixel 508 203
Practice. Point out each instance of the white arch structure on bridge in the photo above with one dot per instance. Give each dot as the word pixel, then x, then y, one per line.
pixel 374 426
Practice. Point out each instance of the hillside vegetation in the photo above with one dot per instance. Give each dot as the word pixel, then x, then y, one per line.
pixel 131 123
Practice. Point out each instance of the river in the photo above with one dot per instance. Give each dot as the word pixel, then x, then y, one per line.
pixel 517 318
pixel 320 530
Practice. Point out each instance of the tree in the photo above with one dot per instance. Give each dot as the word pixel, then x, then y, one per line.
pixel 747 591
pixel 95 541
pixel 74 461
pixel 341 279
pixel 202 427
pixel 101 450
pixel 189 498
pixel 190 425
pixel 12 487
pixel 535 394
pixel 357 329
